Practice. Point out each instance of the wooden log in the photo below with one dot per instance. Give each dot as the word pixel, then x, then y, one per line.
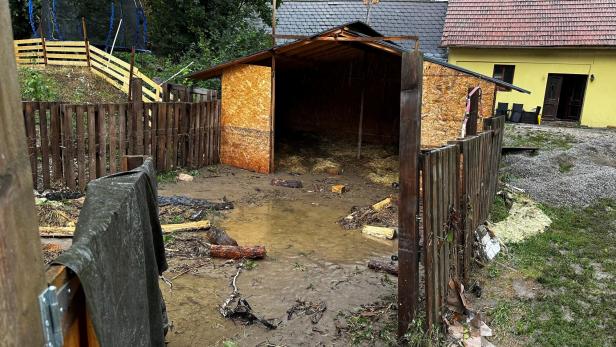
pixel 382 266
pixel 21 263
pixel 237 252
pixel 380 232
pixel 167 229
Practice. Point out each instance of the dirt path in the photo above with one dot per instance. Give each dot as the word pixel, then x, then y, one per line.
pixel 310 258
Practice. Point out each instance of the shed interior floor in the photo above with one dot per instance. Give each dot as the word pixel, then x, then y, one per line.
pixel 307 152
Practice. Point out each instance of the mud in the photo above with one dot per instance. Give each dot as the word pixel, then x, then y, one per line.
pixel 311 259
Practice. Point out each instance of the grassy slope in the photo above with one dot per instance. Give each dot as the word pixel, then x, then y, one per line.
pixel 66 84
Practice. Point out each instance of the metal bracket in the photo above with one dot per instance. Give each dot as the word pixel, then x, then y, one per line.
pixel 53 304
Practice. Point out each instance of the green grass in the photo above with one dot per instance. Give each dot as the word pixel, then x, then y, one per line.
pixel 541 139
pixel 499 210
pixel 574 261
pixel 167 176
pixel 565 167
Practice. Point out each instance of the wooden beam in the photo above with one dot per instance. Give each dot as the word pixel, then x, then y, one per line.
pixel 408 213
pixel 21 261
pixel 348 38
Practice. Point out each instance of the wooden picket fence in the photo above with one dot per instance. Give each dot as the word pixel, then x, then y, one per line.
pixel 459 182
pixel 69 145
pixel 81 53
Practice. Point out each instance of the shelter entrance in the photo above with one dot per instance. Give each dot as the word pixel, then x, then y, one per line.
pixel 564 97
pixel 335 98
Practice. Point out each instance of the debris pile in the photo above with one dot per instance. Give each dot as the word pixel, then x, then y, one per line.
pixel 383 214
pixel 464 324
pixel 525 219
pixel 308 308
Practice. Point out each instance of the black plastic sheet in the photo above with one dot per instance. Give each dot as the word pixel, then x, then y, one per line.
pixel 118 255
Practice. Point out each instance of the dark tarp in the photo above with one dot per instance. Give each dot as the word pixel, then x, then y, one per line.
pixel 118 255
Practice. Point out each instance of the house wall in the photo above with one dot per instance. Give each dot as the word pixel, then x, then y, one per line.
pixel 532 67
pixel 444 103
pixel 246 117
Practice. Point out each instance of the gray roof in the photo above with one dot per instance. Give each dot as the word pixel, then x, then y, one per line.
pixel 389 17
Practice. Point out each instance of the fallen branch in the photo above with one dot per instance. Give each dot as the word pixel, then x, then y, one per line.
pixel 224 309
pixel 379 265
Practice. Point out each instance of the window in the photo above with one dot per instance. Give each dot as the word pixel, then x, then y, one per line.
pixel 504 73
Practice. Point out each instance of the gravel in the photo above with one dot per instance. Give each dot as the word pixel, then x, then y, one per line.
pixel 577 176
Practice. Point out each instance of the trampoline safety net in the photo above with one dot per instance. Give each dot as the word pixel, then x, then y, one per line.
pixel 61 20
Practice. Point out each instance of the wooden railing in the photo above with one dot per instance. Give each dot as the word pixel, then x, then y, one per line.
pixel 70 145
pixel 459 182
pixel 79 53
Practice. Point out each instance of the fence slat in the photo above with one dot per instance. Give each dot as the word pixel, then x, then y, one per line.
pixel 113 155
pixel 81 155
pixel 122 129
pixel 169 138
pixel 162 125
pixel 43 125
pixel 67 152
pixel 176 127
pixel 154 133
pixel 56 157
pixel 92 142
pixel 101 159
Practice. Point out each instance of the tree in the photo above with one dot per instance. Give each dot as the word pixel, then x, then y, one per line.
pixel 178 25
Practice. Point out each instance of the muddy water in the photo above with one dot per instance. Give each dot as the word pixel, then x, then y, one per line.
pixel 309 257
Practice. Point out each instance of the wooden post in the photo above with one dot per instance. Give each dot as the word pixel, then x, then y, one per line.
pixel 85 39
pixel 137 115
pixel 42 33
pixel 21 263
pixel 408 213
pixel 130 74
pixel 471 125
pixel 273 23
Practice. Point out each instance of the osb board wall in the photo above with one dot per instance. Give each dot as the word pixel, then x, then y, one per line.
pixel 246 117
pixel 444 103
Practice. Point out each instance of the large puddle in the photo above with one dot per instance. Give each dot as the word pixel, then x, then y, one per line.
pixel 295 228
pixel 309 256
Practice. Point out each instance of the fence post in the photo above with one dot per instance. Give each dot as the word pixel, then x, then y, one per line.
pixel 471 126
pixel 408 214
pixel 137 115
pixel 85 39
pixel 42 33
pixel 21 263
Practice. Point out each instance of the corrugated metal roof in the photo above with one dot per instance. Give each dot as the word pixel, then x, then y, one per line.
pixel 390 17
pixel 530 23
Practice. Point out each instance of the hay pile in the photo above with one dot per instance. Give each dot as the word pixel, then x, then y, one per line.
pixel 327 166
pixel 293 164
pixel 383 170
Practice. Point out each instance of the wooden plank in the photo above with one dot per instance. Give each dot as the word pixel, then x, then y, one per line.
pixel 210 131
pixel 154 131
pixel 190 135
pixel 176 124
pixel 161 138
pixel 66 56
pixel 105 56
pixel 29 114
pixel 81 148
pixel 28 41
pixel 410 135
pixel 92 139
pixel 65 50
pixel 197 139
pixel 68 150
pixel 21 270
pixel 147 116
pixel 138 115
pixel 65 43
pixel 435 277
pixel 428 239
pixel 113 139
pixel 169 138
pixel 122 129
pixel 101 159
pixel 67 63
pixel 56 156
pixel 43 131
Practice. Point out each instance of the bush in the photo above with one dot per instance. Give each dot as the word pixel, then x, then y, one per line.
pixel 36 86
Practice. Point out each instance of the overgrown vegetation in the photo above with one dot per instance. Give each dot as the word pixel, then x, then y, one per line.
pixel 37 86
pixel 574 264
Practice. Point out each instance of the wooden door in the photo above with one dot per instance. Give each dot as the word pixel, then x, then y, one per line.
pixel 552 96
pixel 246 123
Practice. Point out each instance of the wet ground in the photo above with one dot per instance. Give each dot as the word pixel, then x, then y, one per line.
pixel 310 258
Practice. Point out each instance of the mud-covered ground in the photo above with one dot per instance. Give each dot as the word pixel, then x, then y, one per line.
pixel 312 261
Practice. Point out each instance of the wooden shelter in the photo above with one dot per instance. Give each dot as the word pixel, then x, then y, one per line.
pixel 344 83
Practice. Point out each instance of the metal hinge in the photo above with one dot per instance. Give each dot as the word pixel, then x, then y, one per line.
pixel 53 303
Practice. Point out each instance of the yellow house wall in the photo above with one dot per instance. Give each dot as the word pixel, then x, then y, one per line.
pixel 532 67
